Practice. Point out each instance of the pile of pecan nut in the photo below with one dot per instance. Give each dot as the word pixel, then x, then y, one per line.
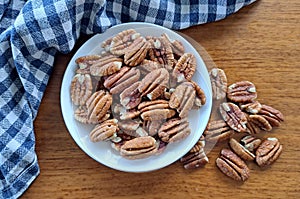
pixel 137 93
pixel 241 113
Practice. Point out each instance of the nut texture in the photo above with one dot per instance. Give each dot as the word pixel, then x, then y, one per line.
pixel 137 52
pixel 240 150
pixel 232 166
pixel 104 131
pixel 218 83
pixel 183 98
pixel 218 131
pixel 81 88
pixel 155 110
pixel 274 116
pixel 268 152
pixel 185 67
pixel 241 92
pixel 251 107
pixel 234 117
pixel 140 147
pixel 131 97
pixel 174 130
pixel 257 123
pixel 250 142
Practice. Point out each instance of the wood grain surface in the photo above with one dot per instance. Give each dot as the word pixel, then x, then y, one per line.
pixel 260 43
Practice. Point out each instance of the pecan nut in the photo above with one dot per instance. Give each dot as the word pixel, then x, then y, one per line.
pixel 234 117
pixel 161 52
pixel 81 88
pixel 154 83
pixel 240 150
pixel 81 115
pixel 268 152
pixel 122 113
pixel 242 92
pixel 152 126
pixel 122 79
pixel 84 63
pixel 104 131
pixel 185 67
pixel 200 99
pixel 193 160
pixel 174 130
pixel 218 83
pixel 123 41
pixel 140 147
pixel 155 110
pixel 100 69
pixel 183 98
pixel 218 131
pixel 232 166
pixel 176 45
pixel 98 105
pixel 137 52
pixel 274 116
pixel 250 142
pixel 251 107
pixel 131 97
pixel 257 123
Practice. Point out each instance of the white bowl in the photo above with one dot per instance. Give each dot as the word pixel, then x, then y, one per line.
pixel 102 151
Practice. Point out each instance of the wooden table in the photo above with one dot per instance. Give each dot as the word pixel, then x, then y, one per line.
pixel 261 44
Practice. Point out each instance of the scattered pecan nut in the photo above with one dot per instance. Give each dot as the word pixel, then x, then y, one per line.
pixel 183 98
pixel 140 147
pixel 234 117
pixel 218 83
pixel 104 131
pixel 154 83
pixel 174 130
pixel 194 159
pixel 241 92
pixel 218 131
pixel 274 116
pixel 240 150
pixel 185 67
pixel 250 142
pixel 251 107
pixel 268 152
pixel 232 166
pixel 81 88
pixel 257 123
pixel 155 110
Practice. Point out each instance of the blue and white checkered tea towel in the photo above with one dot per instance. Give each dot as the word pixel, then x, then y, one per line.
pixel 33 31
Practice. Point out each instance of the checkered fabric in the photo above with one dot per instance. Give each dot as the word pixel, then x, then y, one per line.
pixel 33 31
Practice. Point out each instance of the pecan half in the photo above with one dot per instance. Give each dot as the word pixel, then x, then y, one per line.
pixel 155 110
pixel 250 142
pixel 232 166
pixel 121 112
pixel 234 117
pixel 154 83
pixel 257 123
pixel 81 115
pixel 183 98
pixel 241 92
pixel 174 130
pixel 148 66
pixel 268 152
pixel 104 131
pixel 218 83
pixel 122 79
pixel 103 69
pixel 138 148
pixel 252 107
pixel 161 52
pixel 193 160
pixel 185 67
pixel 81 88
pixel 84 63
pixel 152 126
pixel 218 131
pixel 240 150
pixel 176 45
pixel 200 99
pixel 123 41
pixel 131 97
pixel 98 105
pixel 274 116
pixel 137 52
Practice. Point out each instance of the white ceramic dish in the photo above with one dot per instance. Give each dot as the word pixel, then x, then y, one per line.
pixel 102 151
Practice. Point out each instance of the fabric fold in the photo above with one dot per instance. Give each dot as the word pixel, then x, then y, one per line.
pixel 33 31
